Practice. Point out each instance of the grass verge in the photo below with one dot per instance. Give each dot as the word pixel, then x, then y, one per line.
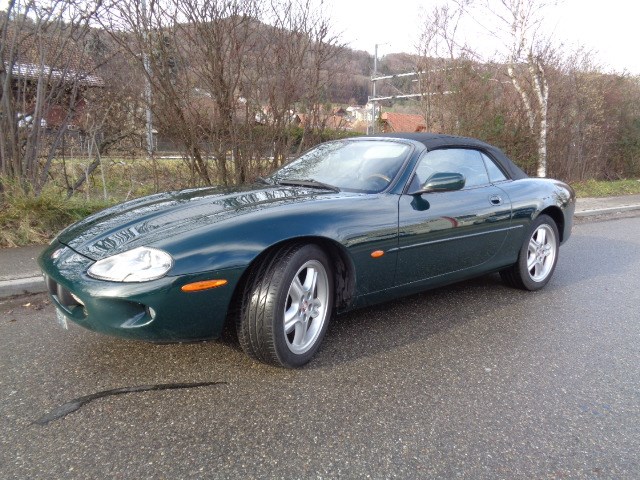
pixel 27 220
pixel 599 188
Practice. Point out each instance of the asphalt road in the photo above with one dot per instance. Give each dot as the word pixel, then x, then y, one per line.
pixel 474 381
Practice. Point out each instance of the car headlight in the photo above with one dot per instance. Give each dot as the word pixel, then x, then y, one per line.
pixel 138 265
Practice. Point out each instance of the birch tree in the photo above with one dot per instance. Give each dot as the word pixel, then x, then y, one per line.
pixel 520 22
pixel 517 25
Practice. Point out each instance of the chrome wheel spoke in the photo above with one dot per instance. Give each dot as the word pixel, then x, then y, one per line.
pixel 311 280
pixel 537 267
pixel 316 305
pixel 291 318
pixel 306 310
pixel 300 334
pixel 542 236
pixel 296 291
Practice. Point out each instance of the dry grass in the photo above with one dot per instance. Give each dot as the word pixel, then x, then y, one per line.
pixel 599 188
pixel 123 179
pixel 26 219
pixel 29 220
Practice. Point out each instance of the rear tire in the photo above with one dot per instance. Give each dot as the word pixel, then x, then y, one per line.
pixel 537 258
pixel 286 306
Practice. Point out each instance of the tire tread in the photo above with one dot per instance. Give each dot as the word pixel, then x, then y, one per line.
pixel 254 324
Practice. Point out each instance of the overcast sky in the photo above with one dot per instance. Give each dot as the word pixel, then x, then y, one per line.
pixel 610 27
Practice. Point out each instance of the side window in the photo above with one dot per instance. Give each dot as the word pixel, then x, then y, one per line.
pixel 468 162
pixel 495 174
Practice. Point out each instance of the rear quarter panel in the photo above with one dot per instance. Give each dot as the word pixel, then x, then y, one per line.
pixel 529 198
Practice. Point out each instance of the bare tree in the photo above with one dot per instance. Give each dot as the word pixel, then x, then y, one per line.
pixel 595 118
pixel 43 77
pixel 113 118
pixel 149 38
pixel 438 52
pixel 226 75
pixel 460 94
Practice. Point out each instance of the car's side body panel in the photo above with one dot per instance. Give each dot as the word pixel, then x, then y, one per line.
pixel 432 226
pixel 528 199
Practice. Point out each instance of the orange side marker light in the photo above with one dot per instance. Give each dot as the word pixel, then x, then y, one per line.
pixel 203 285
pixel 377 253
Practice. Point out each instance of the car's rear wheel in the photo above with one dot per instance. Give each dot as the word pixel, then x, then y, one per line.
pixel 287 304
pixel 537 258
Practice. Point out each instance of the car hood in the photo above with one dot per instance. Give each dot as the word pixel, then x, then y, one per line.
pixel 149 219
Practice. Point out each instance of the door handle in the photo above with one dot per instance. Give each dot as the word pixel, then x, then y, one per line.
pixel 495 200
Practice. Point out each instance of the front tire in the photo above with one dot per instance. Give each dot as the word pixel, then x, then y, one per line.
pixel 537 258
pixel 287 305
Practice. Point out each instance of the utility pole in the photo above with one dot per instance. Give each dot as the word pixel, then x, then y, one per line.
pixel 147 82
pixel 374 79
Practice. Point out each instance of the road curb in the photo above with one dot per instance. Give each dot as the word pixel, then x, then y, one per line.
pixel 603 211
pixel 20 286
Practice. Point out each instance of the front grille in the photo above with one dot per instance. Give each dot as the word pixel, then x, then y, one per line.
pixel 60 293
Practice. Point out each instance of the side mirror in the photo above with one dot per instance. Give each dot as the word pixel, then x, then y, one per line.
pixel 442 182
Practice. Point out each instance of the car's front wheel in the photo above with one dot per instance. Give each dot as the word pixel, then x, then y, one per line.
pixel 287 305
pixel 538 256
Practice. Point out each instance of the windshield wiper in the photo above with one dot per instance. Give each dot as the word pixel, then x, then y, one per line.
pixel 308 183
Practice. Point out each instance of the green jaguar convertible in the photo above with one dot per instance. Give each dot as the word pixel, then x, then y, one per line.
pixel 347 224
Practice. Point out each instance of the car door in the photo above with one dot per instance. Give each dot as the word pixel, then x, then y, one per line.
pixel 442 232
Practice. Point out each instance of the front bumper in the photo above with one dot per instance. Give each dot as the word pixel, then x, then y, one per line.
pixel 157 310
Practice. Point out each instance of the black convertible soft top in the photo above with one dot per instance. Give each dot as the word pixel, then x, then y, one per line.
pixel 435 140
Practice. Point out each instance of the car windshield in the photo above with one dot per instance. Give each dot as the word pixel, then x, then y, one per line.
pixel 357 166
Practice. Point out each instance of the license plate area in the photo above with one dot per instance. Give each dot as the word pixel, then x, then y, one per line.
pixel 61 318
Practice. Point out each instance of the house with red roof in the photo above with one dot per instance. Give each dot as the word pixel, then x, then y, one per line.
pixel 402 122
